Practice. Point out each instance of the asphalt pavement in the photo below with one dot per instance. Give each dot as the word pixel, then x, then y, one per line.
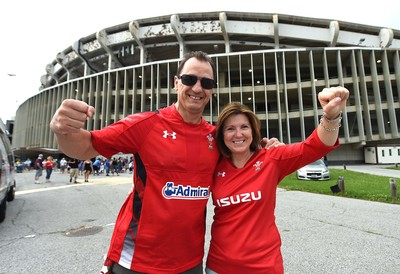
pixel 320 233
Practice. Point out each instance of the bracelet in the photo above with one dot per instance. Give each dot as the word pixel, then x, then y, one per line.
pixel 331 121
pixel 334 120
pixel 329 129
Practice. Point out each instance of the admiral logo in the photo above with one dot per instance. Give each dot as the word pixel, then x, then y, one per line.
pixel 170 191
pixel 167 134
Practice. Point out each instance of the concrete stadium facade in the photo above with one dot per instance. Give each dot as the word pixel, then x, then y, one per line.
pixel 274 63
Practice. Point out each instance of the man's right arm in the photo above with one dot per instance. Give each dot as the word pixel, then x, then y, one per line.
pixel 67 125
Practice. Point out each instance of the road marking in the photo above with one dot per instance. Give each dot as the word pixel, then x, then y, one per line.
pixel 93 183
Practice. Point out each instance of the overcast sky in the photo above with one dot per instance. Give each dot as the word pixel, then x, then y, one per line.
pixel 33 32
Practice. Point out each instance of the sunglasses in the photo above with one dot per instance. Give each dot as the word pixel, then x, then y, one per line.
pixel 191 80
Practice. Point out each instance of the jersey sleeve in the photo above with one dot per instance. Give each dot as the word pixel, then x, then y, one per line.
pixel 291 157
pixel 124 136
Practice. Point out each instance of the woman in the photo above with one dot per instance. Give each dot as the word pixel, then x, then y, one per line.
pixel 244 236
pixel 88 169
pixel 49 166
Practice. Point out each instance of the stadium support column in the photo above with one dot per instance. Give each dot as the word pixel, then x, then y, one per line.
pixel 102 38
pixel 134 29
pixel 223 21
pixel 175 25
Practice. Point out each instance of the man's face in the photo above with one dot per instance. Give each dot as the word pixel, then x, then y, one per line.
pixel 193 99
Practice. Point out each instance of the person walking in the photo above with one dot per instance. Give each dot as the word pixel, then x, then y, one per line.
pixel 108 166
pixel 131 165
pixel 73 173
pixel 177 180
pixel 63 165
pixel 244 236
pixel 114 166
pixel 38 166
pixel 88 169
pixel 49 166
pixel 80 167
pixel 96 166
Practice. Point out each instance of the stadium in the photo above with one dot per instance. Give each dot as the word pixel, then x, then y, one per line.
pixel 274 63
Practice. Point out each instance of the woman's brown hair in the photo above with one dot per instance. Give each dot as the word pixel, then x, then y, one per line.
pixel 237 108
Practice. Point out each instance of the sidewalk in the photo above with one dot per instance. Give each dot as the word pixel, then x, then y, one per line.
pixel 380 170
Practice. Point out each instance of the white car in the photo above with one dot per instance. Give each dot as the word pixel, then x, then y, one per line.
pixel 314 171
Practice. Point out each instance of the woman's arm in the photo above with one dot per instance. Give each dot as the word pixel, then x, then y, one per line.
pixel 332 100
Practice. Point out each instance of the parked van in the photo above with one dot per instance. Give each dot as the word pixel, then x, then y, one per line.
pixel 7 172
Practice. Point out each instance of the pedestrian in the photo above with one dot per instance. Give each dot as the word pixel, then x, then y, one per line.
pixel 114 166
pixel 73 173
pixel 244 236
pixel 38 166
pixel 325 159
pixel 177 180
pixel 96 166
pixel 49 166
pixel 120 164
pixel 88 169
pixel 27 164
pixel 108 167
pixel 63 165
pixel 101 167
pixel 80 167
pixel 131 165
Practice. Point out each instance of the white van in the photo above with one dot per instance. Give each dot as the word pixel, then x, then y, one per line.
pixel 7 172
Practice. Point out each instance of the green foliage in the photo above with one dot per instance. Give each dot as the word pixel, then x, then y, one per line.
pixel 357 185
pixel 394 167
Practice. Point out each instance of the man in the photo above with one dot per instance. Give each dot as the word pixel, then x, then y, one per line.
pixel 39 168
pixel 96 166
pixel 73 173
pixel 175 157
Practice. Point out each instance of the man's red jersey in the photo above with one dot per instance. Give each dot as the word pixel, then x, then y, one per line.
pixel 244 236
pixel 161 225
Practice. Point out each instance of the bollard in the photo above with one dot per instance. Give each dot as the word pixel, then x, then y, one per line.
pixel 341 183
pixel 344 166
pixel 393 188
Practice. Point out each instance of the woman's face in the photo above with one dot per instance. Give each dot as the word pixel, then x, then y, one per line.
pixel 237 133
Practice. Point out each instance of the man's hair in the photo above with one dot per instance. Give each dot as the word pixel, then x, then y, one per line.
pixel 237 108
pixel 199 55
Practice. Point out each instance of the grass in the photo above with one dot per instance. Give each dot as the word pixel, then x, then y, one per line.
pixel 357 185
pixel 394 167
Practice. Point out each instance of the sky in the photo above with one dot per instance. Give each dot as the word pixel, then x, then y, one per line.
pixel 33 32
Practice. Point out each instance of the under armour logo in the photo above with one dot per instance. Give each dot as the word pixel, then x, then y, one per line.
pixel 166 134
pixel 222 174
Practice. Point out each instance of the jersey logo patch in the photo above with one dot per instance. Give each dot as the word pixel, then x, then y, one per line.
pixel 257 165
pixel 221 173
pixel 210 140
pixel 170 191
pixel 239 198
pixel 167 134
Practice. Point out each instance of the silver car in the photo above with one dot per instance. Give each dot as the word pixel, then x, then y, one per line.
pixel 314 171
pixel 7 172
